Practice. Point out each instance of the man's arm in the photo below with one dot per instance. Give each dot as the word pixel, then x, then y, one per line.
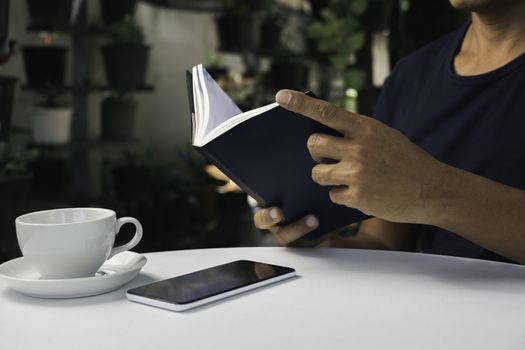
pixel 483 211
pixel 372 234
pixel 381 173
pixel 379 234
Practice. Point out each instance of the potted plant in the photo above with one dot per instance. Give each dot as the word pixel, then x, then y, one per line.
pixel 233 24
pixel 50 14
pixel 232 32
pixel 273 23
pixel 4 20
pixel 338 34
pixel 7 50
pixel 7 92
pixel 51 119
pixel 14 189
pixel 126 57
pixel 7 84
pixel 45 65
pixel 114 11
pixel 118 113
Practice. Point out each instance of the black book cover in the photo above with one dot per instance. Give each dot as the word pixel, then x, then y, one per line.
pixel 267 157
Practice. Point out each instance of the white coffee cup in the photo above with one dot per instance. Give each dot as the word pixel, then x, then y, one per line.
pixel 72 242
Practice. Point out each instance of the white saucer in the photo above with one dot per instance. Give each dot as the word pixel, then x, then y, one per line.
pixel 115 272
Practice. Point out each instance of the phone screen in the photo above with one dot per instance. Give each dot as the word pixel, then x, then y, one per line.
pixel 209 282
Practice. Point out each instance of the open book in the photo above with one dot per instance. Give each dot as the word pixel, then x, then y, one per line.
pixel 264 152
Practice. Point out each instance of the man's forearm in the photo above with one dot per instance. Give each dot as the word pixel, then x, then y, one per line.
pixel 382 173
pixel 485 212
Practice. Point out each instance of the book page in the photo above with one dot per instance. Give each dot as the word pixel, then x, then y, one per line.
pixel 198 102
pixel 215 112
pixel 234 121
pixel 219 107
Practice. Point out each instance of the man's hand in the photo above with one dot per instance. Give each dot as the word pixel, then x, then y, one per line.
pixel 270 218
pixel 377 170
pixel 229 185
pixel 380 172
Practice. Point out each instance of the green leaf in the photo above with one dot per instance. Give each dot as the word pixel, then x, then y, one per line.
pixel 357 40
pixel 314 30
pixel 358 6
pixel 339 62
pixel 126 31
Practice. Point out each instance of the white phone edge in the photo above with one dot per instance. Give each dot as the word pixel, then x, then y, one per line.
pixel 183 307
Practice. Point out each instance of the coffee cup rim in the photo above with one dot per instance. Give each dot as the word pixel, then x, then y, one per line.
pixel 20 220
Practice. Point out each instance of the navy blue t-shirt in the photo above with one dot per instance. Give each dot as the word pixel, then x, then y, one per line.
pixel 476 123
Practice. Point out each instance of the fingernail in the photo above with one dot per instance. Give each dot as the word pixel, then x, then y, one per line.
pixel 311 221
pixel 274 213
pixel 283 97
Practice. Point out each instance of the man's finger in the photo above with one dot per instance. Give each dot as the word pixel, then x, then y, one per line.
pixel 324 112
pixel 329 175
pixel 290 233
pixel 339 195
pixel 322 147
pixel 265 219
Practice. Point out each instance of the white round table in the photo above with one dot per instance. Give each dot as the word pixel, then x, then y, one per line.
pixel 341 299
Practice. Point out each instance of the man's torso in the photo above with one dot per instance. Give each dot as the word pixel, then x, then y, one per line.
pixel 474 123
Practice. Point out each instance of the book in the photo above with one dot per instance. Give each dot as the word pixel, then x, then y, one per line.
pixel 264 151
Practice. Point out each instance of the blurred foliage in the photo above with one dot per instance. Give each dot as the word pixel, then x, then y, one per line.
pixel 126 32
pixel 340 35
pixel 240 89
pixel 14 160
pixel 48 37
pixel 213 60
pixel 51 96
pixel 190 163
pixel 132 158
pixel 176 200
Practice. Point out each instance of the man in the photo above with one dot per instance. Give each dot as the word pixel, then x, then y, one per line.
pixel 462 100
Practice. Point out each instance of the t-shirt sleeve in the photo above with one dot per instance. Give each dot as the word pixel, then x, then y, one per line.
pixel 383 107
pixel 392 92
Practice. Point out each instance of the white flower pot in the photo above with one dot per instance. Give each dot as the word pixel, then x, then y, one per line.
pixel 52 125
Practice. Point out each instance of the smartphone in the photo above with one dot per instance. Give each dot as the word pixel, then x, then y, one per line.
pixel 205 286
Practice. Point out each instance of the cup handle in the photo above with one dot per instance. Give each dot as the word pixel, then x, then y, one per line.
pixel 134 241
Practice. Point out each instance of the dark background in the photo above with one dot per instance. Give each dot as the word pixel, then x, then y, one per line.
pixel 326 46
